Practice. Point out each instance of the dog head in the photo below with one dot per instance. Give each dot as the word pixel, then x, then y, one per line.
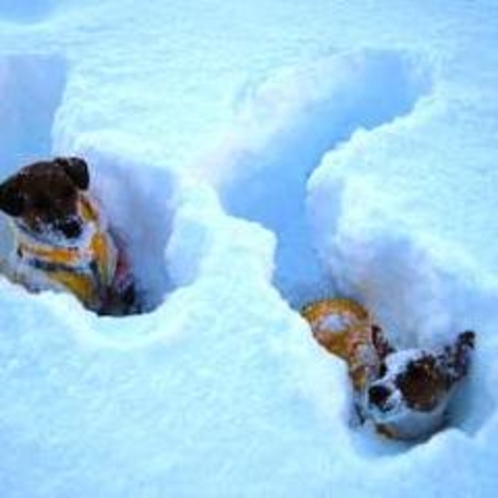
pixel 43 198
pixel 411 394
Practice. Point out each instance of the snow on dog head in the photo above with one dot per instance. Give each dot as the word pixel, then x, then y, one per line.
pixel 42 198
pixel 409 400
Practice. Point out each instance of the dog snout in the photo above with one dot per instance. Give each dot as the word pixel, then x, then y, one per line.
pixel 378 395
pixel 70 228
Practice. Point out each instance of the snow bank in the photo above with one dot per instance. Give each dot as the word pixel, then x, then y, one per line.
pixel 286 124
pixel 335 175
pixel 351 237
pixel 31 89
pixel 423 285
pixel 422 290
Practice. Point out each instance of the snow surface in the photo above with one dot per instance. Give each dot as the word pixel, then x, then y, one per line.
pixel 256 156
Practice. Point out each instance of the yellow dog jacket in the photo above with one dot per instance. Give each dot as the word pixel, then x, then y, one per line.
pixel 345 328
pixel 89 270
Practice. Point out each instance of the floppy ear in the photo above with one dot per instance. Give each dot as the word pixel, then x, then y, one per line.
pixel 11 200
pixel 464 346
pixel 466 340
pixel 380 342
pixel 77 169
pixel 456 358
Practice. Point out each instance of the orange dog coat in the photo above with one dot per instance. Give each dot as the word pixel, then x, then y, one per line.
pixel 345 328
pixel 92 270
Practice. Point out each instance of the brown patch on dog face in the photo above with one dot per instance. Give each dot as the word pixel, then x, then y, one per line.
pixel 43 196
pixel 423 384
pixel 426 379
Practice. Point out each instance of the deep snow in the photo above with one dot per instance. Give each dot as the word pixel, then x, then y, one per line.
pixel 255 156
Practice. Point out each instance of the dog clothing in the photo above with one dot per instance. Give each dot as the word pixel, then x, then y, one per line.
pixel 93 269
pixel 345 328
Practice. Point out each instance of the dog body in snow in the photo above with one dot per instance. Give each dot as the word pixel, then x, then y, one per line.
pixel 404 393
pixel 62 240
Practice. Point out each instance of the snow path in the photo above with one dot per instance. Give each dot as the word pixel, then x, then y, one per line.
pixel 286 126
pixel 187 115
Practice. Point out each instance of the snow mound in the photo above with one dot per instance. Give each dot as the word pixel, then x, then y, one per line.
pixel 285 125
pixel 422 288
pixel 31 87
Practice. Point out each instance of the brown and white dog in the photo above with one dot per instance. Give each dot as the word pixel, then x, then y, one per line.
pixel 404 393
pixel 62 240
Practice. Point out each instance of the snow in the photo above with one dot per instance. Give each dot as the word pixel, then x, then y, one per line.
pixel 255 156
pixel 289 123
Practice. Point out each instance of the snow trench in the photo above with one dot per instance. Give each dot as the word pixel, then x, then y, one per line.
pixel 329 242
pixel 270 170
pixel 286 124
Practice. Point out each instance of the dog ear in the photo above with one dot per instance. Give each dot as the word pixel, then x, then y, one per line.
pixel 380 342
pixel 464 346
pixel 456 358
pixel 466 340
pixel 11 200
pixel 77 169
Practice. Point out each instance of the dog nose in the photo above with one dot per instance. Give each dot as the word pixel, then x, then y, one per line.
pixel 70 228
pixel 378 395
